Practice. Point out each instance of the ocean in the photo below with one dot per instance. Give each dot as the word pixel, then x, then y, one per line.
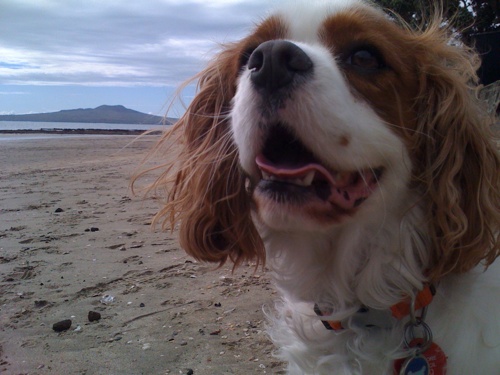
pixel 47 126
pixel 54 129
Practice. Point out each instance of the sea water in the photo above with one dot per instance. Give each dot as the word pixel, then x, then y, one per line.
pixel 50 129
pixel 48 126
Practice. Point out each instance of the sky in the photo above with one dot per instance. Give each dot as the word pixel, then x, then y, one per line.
pixel 67 54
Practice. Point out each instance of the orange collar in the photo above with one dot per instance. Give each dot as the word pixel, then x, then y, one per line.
pixel 397 311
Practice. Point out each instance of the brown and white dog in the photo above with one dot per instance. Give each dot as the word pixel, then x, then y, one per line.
pixel 349 153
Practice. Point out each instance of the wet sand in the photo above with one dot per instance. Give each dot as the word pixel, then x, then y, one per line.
pixel 71 233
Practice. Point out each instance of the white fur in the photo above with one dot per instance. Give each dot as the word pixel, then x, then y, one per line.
pixel 369 259
pixel 310 14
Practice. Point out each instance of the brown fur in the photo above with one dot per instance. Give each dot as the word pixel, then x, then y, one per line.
pixel 456 157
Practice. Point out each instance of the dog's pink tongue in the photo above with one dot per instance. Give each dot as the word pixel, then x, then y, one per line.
pixel 347 189
pixel 292 172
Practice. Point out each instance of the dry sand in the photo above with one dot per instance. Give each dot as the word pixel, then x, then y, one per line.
pixel 70 233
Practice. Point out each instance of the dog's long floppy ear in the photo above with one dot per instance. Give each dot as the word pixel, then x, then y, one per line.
pixel 457 161
pixel 205 187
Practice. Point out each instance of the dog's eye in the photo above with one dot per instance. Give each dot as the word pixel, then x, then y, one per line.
pixel 366 59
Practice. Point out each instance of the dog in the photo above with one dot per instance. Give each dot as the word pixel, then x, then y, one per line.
pixel 348 153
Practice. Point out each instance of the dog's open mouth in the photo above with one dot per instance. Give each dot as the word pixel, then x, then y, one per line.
pixel 288 168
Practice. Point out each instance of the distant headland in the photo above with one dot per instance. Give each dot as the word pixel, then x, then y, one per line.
pixel 107 114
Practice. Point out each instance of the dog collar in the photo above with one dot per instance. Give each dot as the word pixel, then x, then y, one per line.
pixel 367 317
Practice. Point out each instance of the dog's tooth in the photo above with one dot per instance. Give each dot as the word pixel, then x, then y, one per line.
pixel 307 181
pixel 266 176
pixel 341 177
pixel 304 181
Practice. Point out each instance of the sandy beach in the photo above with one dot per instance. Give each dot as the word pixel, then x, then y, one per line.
pixel 74 240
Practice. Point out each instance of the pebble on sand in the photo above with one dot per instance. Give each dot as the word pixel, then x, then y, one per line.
pixel 94 316
pixel 61 326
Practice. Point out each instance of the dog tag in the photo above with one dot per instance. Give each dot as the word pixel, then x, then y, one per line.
pixel 434 357
pixel 416 365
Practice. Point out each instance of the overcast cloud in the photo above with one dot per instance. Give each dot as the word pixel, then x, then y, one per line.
pixel 114 43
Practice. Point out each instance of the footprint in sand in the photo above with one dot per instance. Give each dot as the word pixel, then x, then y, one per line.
pixel 133 259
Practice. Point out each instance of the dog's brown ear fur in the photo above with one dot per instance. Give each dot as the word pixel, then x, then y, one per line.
pixel 456 157
pixel 205 189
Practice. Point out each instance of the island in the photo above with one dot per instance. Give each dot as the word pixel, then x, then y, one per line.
pixel 107 114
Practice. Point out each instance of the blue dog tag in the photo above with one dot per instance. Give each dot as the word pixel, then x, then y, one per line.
pixel 417 365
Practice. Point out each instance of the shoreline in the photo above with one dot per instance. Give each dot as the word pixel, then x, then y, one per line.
pixel 82 131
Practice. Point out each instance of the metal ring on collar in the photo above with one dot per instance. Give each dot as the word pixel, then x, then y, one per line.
pixel 425 334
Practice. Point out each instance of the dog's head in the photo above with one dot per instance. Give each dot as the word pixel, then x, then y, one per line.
pixel 327 114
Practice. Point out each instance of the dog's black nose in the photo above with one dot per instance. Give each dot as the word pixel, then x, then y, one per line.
pixel 278 63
